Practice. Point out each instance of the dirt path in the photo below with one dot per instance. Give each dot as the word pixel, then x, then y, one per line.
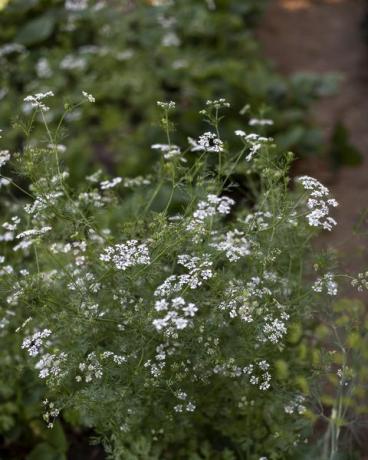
pixel 326 36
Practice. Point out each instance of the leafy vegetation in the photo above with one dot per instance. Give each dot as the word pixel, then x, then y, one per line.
pixel 130 54
pixel 159 282
pixel 172 314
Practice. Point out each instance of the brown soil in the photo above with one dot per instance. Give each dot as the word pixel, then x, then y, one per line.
pixel 326 36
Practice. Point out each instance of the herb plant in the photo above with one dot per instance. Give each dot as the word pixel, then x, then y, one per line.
pixel 164 310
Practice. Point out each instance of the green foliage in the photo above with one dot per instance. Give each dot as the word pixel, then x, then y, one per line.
pixel 341 393
pixel 166 315
pixel 342 151
pixel 130 54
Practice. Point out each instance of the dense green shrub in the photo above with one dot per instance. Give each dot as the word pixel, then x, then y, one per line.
pixel 131 53
pixel 166 312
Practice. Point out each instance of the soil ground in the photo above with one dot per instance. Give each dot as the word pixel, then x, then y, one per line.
pixel 324 36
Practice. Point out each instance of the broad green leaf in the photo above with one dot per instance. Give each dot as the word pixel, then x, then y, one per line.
pixel 37 30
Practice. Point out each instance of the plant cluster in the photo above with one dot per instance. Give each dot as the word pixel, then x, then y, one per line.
pixel 131 53
pixel 165 312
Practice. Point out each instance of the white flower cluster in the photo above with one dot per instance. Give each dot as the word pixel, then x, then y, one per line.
pixel 361 282
pixel 255 300
pixel 50 365
pixel 166 105
pixel 51 413
pixel 28 237
pixel 33 232
pixel 170 39
pixel 229 369
pixel 178 314
pixel 161 354
pixel 239 304
pixel 93 198
pixel 72 62
pixel 326 283
pixel 76 247
pixel 15 295
pixel 207 142
pixel 255 142
pixel 106 184
pixel 256 287
pixel 90 370
pixel 260 122
pixel 4 182
pixel 274 329
pixel 233 244
pixel 35 100
pixel 89 97
pixel 263 380
pixel 169 151
pixel 83 282
pixel 6 270
pixel 95 177
pixel 170 36
pixel 190 407
pixel 10 48
pixel 186 406
pixel 218 103
pixel 258 220
pixel 345 374
pixel 4 157
pixel 257 374
pixel 34 343
pixel 126 255
pixel 319 203
pixel 138 181
pixel 61 148
pixel 117 359
pixel 90 310
pixel 296 406
pixel 209 208
pixel 43 202
pixel 127 182
pixel 76 5
pixel 6 319
pixel 43 68
pixel 200 270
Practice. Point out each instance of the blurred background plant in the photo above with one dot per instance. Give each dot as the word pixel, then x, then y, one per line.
pixel 340 396
pixel 131 54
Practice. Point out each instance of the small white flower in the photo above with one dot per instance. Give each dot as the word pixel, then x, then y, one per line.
pixel 327 283
pixel 126 255
pixel 319 203
pixel 166 105
pixel 35 100
pixel 89 97
pixel 233 244
pixel 169 151
pixel 260 122
pixel 4 157
pixel 76 5
pixel 106 184
pixel 208 142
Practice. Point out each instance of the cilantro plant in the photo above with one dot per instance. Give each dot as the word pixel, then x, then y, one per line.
pixel 161 310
